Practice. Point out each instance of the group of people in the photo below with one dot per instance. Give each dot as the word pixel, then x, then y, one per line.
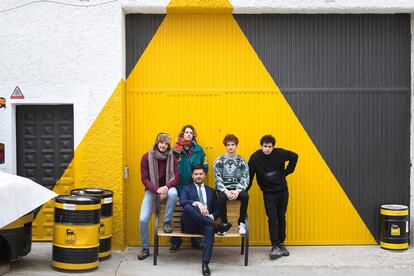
pixel 179 172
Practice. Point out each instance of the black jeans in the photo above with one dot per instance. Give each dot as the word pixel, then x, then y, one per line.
pixel 276 206
pixel 243 198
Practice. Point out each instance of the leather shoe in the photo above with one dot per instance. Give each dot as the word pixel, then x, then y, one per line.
pixel 205 270
pixel 224 227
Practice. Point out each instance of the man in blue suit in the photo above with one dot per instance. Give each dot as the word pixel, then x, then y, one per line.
pixel 201 213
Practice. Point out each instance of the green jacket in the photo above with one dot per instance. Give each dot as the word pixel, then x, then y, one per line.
pixel 185 163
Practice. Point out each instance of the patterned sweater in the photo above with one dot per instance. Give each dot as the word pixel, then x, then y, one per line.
pixel 231 173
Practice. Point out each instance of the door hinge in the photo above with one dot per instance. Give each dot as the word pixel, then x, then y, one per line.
pixel 126 173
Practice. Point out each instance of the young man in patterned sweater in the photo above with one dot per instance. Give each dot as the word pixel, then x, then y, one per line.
pixel 231 175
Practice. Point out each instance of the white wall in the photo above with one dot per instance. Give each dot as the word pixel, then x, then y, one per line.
pixel 59 54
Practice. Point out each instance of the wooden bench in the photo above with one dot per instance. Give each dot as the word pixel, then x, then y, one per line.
pixel 233 211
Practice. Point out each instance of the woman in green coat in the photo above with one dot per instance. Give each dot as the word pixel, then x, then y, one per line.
pixel 188 153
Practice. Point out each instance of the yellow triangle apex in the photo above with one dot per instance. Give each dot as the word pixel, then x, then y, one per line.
pixel 199 7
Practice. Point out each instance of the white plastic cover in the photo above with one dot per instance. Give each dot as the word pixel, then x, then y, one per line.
pixel 19 196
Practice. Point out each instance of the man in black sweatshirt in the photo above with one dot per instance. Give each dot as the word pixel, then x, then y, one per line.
pixel 268 164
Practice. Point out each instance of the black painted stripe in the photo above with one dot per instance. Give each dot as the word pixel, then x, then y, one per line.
pixel 105 245
pixel 77 217
pixel 75 256
pixel 106 210
pixel 140 29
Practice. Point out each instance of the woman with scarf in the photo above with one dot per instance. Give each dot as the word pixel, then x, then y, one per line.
pixel 160 175
pixel 188 153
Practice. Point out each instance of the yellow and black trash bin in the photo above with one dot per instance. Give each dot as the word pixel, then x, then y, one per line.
pixel 105 228
pixel 76 233
pixel 394 227
pixel 16 238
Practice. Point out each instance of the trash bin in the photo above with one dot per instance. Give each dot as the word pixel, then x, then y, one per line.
pixel 394 227
pixel 76 233
pixel 105 228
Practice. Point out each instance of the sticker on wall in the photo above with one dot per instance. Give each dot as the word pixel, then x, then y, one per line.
pixel 17 94
pixel 2 102
pixel 1 153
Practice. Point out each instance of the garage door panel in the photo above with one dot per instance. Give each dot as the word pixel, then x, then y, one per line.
pixel 202 70
pixel 329 51
pixel 347 78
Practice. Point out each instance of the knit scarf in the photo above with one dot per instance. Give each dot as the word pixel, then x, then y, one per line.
pixel 181 144
pixel 153 156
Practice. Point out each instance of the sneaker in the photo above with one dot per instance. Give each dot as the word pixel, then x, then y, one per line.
pixel 174 248
pixel 282 247
pixel 168 227
pixel 275 253
pixel 143 254
pixel 242 229
pixel 221 233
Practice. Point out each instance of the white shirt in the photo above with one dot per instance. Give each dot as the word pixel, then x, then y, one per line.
pixel 203 191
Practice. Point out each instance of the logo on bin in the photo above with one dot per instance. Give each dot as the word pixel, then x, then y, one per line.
pixel 102 229
pixel 70 237
pixel 395 230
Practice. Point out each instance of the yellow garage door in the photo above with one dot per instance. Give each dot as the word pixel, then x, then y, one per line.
pixel 201 70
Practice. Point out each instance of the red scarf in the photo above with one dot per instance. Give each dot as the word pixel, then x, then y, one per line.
pixel 181 143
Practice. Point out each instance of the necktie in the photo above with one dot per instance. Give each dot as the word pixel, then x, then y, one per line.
pixel 200 195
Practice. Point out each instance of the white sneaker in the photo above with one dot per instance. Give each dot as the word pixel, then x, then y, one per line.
pixel 242 229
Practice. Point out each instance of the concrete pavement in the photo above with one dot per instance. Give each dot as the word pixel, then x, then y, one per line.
pixel 304 260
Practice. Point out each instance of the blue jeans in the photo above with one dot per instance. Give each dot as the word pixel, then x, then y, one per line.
pixel 145 214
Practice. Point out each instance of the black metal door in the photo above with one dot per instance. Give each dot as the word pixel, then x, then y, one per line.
pixel 44 142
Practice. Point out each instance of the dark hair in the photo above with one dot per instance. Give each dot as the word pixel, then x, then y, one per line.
pixel 268 139
pixel 183 130
pixel 197 167
pixel 230 138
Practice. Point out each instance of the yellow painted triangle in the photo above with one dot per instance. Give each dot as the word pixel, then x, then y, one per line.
pixel 210 76
pixel 97 162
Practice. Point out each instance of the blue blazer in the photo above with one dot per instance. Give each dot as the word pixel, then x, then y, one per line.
pixel 189 194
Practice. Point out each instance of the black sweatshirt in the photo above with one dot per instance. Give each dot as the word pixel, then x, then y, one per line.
pixel 270 169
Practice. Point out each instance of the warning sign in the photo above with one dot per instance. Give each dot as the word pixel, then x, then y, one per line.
pixel 17 94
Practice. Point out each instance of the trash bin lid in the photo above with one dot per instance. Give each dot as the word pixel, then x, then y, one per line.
pixel 75 199
pixel 394 207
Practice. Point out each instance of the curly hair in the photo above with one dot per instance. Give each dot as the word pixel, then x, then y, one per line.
pixel 266 139
pixel 181 135
pixel 230 138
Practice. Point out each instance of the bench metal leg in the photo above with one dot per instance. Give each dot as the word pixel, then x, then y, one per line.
pixel 246 255
pixel 242 246
pixel 156 240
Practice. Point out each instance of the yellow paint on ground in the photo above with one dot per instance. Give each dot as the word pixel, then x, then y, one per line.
pixel 199 7
pixel 98 162
pixel 201 69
